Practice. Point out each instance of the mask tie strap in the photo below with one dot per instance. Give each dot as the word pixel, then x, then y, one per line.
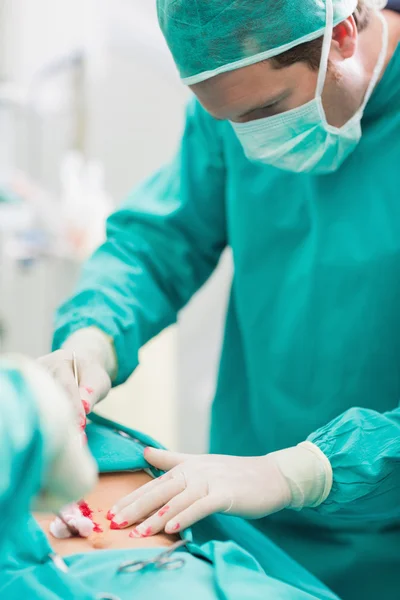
pixel 380 62
pixel 326 48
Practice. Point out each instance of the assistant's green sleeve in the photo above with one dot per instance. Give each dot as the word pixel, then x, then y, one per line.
pixel 162 245
pixel 21 448
pixel 363 447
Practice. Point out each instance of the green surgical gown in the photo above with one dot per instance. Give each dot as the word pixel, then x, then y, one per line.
pixel 312 339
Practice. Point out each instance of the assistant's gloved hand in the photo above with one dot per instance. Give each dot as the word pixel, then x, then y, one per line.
pixel 197 486
pixel 96 364
pixel 68 469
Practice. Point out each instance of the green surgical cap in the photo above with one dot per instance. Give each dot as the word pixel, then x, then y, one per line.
pixel 209 37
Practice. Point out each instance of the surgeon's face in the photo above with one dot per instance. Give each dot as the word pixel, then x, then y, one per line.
pixel 261 90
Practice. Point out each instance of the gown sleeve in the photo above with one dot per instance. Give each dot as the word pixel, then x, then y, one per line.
pixel 162 245
pixel 23 459
pixel 363 447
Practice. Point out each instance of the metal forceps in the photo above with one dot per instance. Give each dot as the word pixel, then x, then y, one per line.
pixel 76 377
pixel 165 561
pixel 75 369
pixel 73 530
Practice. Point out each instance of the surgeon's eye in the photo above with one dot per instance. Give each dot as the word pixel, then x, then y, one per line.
pixel 262 113
pixel 269 111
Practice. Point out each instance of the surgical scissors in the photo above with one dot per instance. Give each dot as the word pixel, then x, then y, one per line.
pixel 164 560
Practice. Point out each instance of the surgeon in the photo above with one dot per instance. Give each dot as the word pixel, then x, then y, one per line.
pixel 290 156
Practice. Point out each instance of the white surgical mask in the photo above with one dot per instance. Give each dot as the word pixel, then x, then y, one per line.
pixel 301 140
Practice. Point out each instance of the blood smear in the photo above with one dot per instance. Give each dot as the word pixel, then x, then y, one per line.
pixel 135 534
pixel 87 512
pixel 163 511
pixel 85 509
pixel 86 406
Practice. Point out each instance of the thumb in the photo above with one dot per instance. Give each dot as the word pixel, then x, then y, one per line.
pixel 163 459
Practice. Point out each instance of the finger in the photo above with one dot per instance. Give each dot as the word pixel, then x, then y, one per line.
pixel 94 384
pixel 163 459
pixel 159 520
pixel 86 394
pixel 59 366
pixel 131 498
pixel 149 502
pixel 195 512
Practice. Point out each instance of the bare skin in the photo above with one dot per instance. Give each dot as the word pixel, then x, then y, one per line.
pixel 260 91
pixel 109 489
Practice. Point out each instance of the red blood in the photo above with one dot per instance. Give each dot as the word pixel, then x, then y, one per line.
pixel 86 511
pixel 82 422
pixel 89 390
pixel 162 512
pixel 99 510
pixel 110 515
pixel 147 532
pixel 114 525
pixel 86 406
pixel 176 527
pixel 134 534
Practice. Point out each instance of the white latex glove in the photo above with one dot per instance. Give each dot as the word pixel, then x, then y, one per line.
pixel 197 486
pixel 70 470
pixel 96 364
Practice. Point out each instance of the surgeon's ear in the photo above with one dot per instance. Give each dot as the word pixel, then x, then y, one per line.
pixel 345 37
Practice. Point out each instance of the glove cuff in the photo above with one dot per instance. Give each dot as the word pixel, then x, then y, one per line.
pixel 308 474
pixel 325 478
pixel 94 343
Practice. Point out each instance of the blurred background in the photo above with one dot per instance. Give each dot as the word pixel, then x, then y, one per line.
pixel 90 104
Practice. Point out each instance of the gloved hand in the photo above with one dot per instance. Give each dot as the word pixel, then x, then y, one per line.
pixel 197 486
pixel 96 365
pixel 69 470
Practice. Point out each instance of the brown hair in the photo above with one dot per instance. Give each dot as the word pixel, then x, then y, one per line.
pixel 310 52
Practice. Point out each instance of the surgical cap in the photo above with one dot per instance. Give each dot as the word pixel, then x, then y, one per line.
pixel 209 37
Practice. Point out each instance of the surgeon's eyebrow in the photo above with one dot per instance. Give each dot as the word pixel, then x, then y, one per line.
pixel 267 104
